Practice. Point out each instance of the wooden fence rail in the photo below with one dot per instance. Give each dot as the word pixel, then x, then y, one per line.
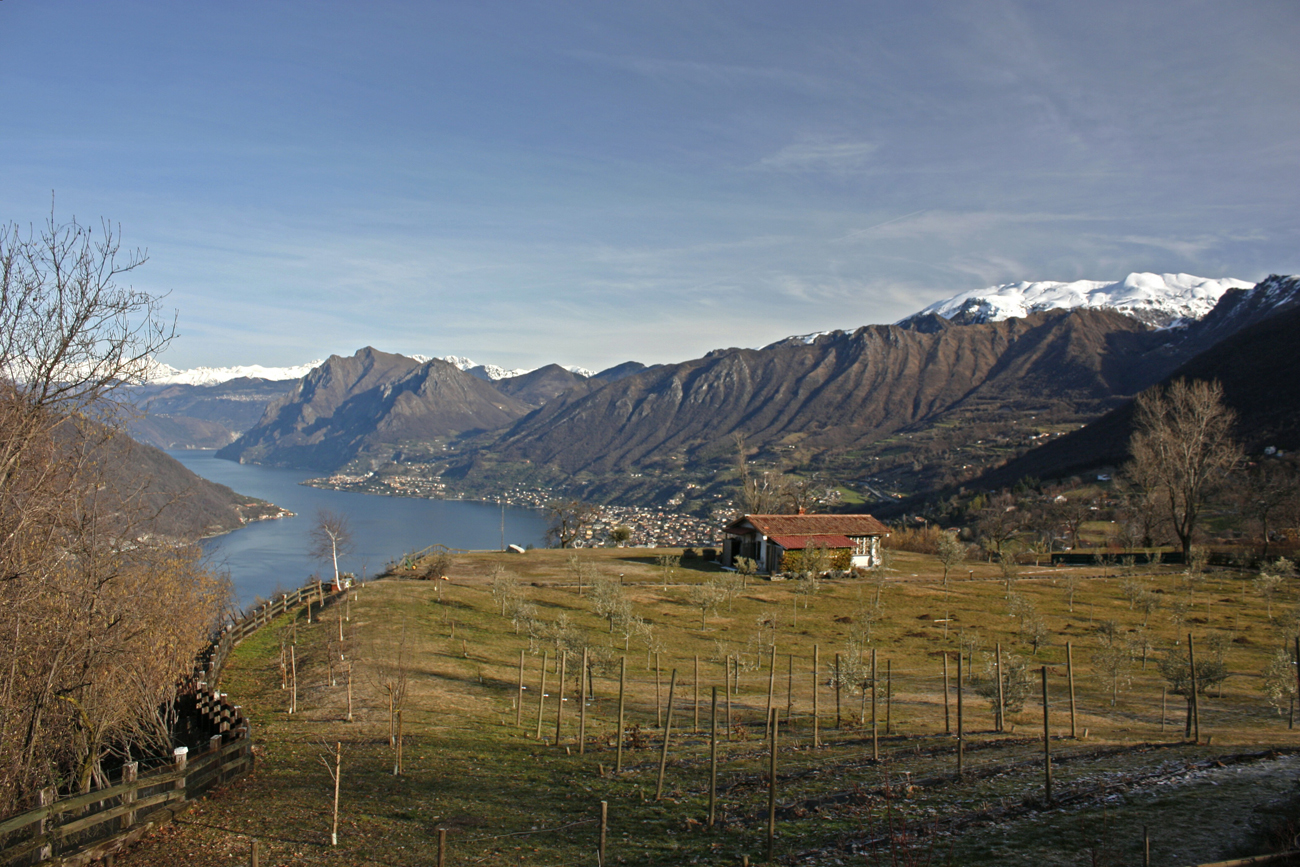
pixel 79 829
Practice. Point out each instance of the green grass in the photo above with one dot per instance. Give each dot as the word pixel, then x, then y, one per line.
pixel 501 793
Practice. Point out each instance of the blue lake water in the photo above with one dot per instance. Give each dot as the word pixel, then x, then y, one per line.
pixel 273 555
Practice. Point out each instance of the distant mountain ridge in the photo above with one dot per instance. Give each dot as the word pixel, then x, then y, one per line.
pixel 917 405
pixel 349 405
pixel 1156 299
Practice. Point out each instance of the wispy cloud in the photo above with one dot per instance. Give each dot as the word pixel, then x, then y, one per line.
pixel 819 156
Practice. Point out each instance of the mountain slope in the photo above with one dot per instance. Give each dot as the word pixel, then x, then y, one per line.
pixel 541 385
pixel 838 390
pixel 371 400
pixel 1259 368
pixel 201 416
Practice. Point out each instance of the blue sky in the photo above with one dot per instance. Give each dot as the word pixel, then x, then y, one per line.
pixel 595 182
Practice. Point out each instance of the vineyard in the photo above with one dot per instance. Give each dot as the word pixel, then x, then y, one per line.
pixel 455 737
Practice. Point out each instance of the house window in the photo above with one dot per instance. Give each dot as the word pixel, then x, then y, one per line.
pixel 861 546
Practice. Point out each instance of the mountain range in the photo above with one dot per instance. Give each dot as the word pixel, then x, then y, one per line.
pixel 936 399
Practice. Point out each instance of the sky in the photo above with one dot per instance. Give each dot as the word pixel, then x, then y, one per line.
pixel 592 182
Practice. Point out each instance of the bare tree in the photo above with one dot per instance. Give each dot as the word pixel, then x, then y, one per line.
pixel 1182 448
pixel 334 770
pixel 567 520
pixel 331 537
pixel 100 618
pixel 951 552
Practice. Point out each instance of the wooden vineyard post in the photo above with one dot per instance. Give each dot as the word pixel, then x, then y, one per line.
pixel 947 720
pixel 1000 710
pixel 622 681
pixel 789 688
pixel 816 705
pixel 519 702
pixel 254 858
pixel 659 711
pixel 541 697
pixel 1196 705
pixel 875 729
pixel 837 692
pixel 442 847
pixel 668 726
pixel 397 762
pixel 771 790
pixel 1146 847
pixel 604 832
pixel 771 684
pixel 1047 743
pixel 559 697
pixel 696 727
pixel 961 732
pixel 582 707
pixel 1069 672
pixel 349 692
pixel 889 696
pixel 293 670
pixel 1297 674
pixel 727 676
pixel 713 759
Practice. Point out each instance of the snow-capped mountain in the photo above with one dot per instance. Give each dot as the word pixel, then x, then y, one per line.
pixel 165 374
pixel 1156 299
pixel 492 373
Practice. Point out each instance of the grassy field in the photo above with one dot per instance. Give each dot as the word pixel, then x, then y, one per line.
pixel 506 797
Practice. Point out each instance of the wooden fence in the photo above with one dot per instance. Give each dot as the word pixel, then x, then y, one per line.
pixel 79 829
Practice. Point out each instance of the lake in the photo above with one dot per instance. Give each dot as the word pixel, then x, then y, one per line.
pixel 270 556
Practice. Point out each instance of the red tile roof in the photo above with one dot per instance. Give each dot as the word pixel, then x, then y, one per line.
pixel 809 525
pixel 799 543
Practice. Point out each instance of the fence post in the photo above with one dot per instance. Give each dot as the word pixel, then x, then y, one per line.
pixel 519 700
pixel 1196 705
pixel 604 829
pixel 837 691
pixel 771 792
pixel 961 733
pixel 789 688
pixel 713 758
pixel 1001 708
pixel 947 720
pixel 47 798
pixel 442 847
pixel 659 711
pixel 130 773
pixel 582 707
pixel 559 697
pixel 816 705
pixel 696 729
pixel 254 859
pixel 727 678
pixel 875 728
pixel 1069 670
pixel 889 696
pixel 622 679
pixel 541 697
pixel 1047 743
pixel 771 684
pixel 663 756
pixel 180 758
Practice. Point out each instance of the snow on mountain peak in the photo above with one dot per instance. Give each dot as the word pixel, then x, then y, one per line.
pixel 1156 299
pixel 165 374
pixel 492 372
